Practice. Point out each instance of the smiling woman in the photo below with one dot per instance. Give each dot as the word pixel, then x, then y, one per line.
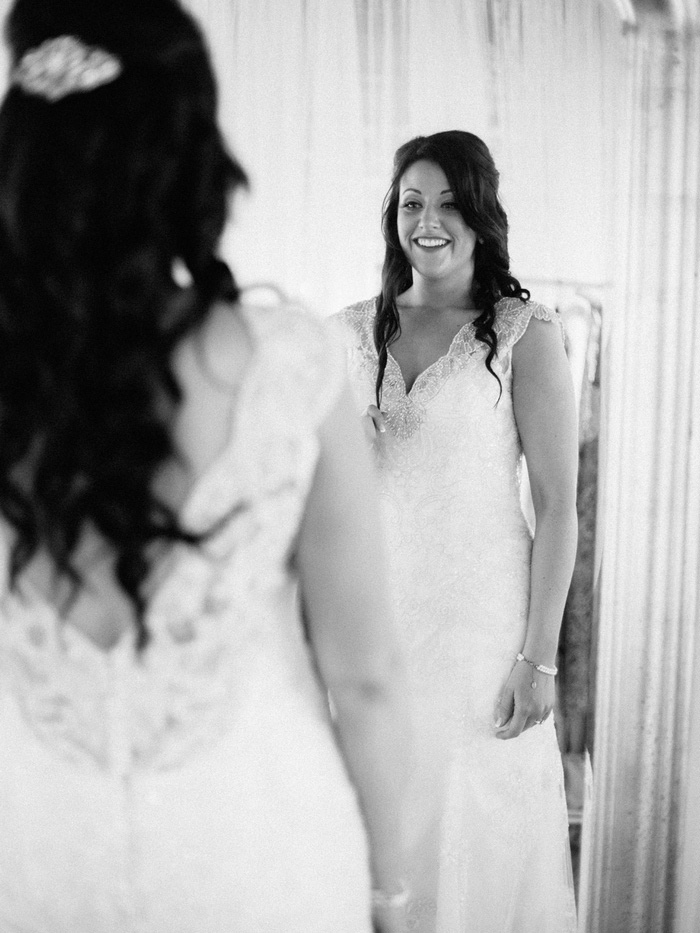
pixel 459 375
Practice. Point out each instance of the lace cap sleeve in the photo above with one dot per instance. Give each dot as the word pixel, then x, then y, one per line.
pixel 357 325
pixel 311 352
pixel 513 316
pixel 356 322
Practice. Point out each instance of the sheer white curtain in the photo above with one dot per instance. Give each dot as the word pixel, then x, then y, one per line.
pixel 316 96
pixel 291 104
pixel 559 78
pixel 644 834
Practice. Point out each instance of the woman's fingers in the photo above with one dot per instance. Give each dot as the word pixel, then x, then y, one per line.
pixel 374 422
pixel 515 725
pixel 504 709
pixel 523 718
pixel 368 428
pixel 377 417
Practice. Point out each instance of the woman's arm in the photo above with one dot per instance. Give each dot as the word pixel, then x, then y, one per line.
pixel 342 566
pixel 545 413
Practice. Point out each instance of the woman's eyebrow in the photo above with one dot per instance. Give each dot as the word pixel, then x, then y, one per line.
pixel 418 191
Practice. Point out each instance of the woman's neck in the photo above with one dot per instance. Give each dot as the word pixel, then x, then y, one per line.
pixel 437 295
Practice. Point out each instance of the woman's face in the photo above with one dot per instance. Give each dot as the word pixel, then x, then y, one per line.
pixel 433 235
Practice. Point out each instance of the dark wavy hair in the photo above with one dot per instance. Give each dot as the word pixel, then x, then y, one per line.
pixel 101 193
pixel 473 179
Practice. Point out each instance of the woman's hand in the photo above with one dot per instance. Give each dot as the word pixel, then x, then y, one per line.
pixel 373 423
pixel 522 706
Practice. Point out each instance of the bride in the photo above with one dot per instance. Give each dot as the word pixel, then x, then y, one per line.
pixel 174 465
pixel 459 374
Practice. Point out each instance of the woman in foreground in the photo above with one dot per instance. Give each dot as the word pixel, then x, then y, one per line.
pixel 171 471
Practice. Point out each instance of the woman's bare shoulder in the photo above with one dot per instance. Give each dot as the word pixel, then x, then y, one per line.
pixel 219 350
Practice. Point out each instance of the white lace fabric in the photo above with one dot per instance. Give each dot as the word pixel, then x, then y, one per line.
pixel 192 732
pixel 406 411
pixel 487 818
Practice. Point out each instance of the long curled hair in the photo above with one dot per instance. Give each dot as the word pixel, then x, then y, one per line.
pixel 473 179
pixel 102 192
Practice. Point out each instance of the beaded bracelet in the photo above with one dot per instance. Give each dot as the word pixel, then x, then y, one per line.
pixel 380 899
pixel 542 668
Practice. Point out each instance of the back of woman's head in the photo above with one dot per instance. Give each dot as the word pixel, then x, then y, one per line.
pixel 473 179
pixel 103 189
pixel 136 164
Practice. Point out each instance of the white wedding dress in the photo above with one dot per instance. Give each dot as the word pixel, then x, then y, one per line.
pixel 486 818
pixel 196 788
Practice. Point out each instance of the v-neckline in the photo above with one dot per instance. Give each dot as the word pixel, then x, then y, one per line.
pixel 424 373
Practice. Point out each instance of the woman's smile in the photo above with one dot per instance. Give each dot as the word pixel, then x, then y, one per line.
pixel 431 242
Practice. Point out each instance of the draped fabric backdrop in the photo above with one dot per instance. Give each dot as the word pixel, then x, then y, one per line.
pixel 317 95
pixel 644 845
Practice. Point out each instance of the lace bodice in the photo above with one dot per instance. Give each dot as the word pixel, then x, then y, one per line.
pixel 452 439
pixel 405 412
pixel 222 616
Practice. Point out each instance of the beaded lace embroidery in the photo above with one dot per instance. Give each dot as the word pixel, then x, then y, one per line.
pixel 215 613
pixel 406 412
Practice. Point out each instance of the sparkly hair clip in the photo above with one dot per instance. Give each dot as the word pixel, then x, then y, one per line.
pixel 63 66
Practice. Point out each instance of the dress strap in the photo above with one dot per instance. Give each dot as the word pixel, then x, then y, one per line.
pixel 513 317
pixel 305 357
pixel 357 320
